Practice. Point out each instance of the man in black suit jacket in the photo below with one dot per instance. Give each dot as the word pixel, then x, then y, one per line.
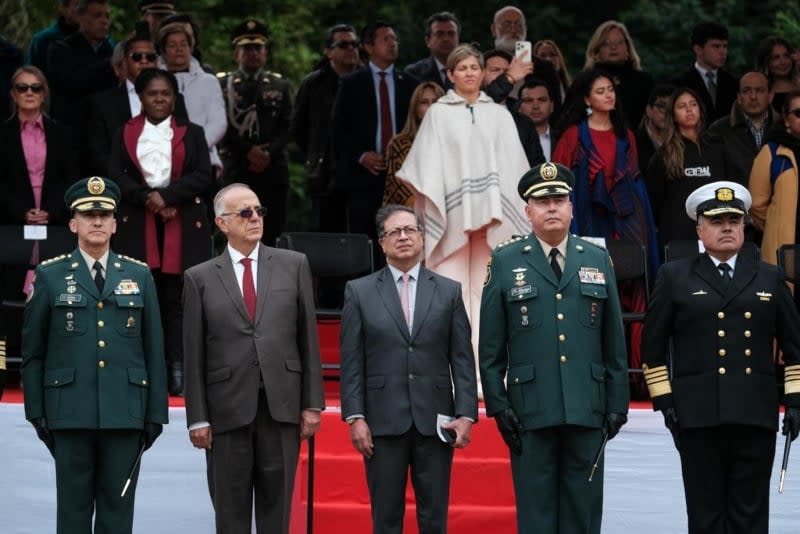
pixel 723 310
pixel 360 134
pixel 442 32
pixel 717 88
pixel 405 349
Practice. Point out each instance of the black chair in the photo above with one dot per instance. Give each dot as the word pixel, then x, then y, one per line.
pixel 686 248
pixel 630 263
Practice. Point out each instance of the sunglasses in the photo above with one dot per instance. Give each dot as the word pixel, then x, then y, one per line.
pixel 345 44
pixel 138 56
pixel 23 87
pixel 246 213
pixel 796 113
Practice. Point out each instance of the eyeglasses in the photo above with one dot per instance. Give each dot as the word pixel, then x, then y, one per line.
pixel 796 113
pixel 613 44
pixel 23 87
pixel 246 213
pixel 345 44
pixel 138 56
pixel 394 233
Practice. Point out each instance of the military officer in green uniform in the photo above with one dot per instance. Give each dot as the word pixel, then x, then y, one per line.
pixel 259 112
pixel 552 359
pixel 93 366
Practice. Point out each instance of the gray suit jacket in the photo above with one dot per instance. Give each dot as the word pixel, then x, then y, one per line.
pixel 224 350
pixel 395 378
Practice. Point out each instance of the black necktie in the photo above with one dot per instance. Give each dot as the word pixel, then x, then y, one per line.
pixel 726 273
pixel 98 277
pixel 554 263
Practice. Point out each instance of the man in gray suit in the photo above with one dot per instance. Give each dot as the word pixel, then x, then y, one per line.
pixel 406 357
pixel 253 379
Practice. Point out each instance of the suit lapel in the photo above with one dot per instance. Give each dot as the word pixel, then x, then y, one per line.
pixel 228 279
pixel 114 274
pixel 573 261
pixel 746 269
pixel 536 259
pixel 387 289
pixel 426 287
pixel 265 268
pixel 81 274
pixel 706 270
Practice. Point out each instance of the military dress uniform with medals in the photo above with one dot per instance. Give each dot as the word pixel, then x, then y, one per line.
pixel 259 110
pixel 552 349
pixel 720 398
pixel 94 375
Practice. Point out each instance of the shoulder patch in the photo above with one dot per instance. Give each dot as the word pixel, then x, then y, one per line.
pixel 57 259
pixel 513 239
pixel 133 260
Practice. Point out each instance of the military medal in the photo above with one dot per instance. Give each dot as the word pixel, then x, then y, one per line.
pixel 131 323
pixel 519 276
pixel 71 289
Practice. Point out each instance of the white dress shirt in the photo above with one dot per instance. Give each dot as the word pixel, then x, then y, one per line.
pixel 133 99
pixel 238 267
pixel 154 151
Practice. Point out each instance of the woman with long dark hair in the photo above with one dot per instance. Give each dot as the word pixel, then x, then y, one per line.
pixel 774 58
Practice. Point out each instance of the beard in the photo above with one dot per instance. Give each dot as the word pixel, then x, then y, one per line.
pixel 507 43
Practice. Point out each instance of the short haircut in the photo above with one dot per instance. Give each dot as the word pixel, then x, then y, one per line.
pixel 34 71
pixel 510 8
pixel 495 52
pixel 330 32
pixel 369 31
pixel 442 16
pixel 148 75
pixel 141 33
pixel 219 198
pixel 462 52
pixel 83 5
pixel 759 73
pixel 662 90
pixel 387 211
pixel 532 83
pixel 175 27
pixel 705 31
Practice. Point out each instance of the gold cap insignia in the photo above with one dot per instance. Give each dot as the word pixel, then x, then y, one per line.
pixel 548 171
pixel 251 25
pixel 724 194
pixel 96 185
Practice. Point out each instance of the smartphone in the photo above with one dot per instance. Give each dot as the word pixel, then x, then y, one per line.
pixel 523 51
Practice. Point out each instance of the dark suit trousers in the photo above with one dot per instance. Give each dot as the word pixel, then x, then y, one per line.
pixel 254 464
pixel 430 461
pixel 551 483
pixel 91 469
pixel 726 472
pixel 170 298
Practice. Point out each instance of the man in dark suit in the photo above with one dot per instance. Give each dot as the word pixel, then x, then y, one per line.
pixel 552 357
pixel 253 379
pixel 442 32
pixel 721 311
pixel 370 108
pixel 93 366
pixel 405 351
pixel 717 88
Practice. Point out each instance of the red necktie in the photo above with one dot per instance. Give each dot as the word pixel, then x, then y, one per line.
pixel 386 114
pixel 249 287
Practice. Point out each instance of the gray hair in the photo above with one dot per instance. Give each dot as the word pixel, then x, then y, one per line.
pixel 219 198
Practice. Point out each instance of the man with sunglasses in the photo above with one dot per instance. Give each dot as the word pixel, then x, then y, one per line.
pixel 253 379
pixel 406 358
pixel 111 109
pixel 259 110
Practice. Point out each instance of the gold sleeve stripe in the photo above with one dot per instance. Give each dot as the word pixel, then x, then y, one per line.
pixel 792 379
pixel 657 380
pixel 2 355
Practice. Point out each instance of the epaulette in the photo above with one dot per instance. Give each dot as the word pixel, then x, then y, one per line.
pixel 273 74
pixel 514 239
pixel 57 259
pixel 132 260
pixel 221 75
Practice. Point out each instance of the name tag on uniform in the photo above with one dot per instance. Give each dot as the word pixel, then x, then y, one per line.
pixel 127 287
pixel 591 275
pixel 70 297
pixel 518 291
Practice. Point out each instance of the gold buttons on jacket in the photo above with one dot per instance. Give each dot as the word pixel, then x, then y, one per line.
pixel 722 370
pixel 516 380
pixel 563 359
pixel 101 364
pixel 124 218
pixel 559 296
pixel 748 371
pixel 197 200
pixel 721 333
pixel 560 316
pixel 722 352
pixel 198 224
pixel 747 333
pixel 100 305
pixel 523 309
pixel 101 324
pixel 747 315
pixel 721 315
pixel 748 352
pixel 144 382
pixel 101 343
pixel 562 337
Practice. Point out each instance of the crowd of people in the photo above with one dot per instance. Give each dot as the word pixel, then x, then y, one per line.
pixel 449 145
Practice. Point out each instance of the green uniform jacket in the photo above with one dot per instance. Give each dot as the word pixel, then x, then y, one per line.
pixel 92 361
pixel 560 344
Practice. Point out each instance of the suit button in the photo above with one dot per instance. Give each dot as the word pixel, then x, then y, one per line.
pixel 748 371
pixel 747 333
pixel 747 315
pixel 411 376
pixel 562 337
pixel 410 349
pixel 101 324
pixel 523 309
pixel 721 315
pixel 560 316
pixel 559 296
pixel 516 381
pixel 125 218
pixel 722 370
pixel 197 200
pixel 722 352
pixel 198 224
pixel 255 363
pixel 748 352
pixel 563 359
pixel 721 333
pixel 100 305
pixel 144 382
pixel 101 364
pixel 101 343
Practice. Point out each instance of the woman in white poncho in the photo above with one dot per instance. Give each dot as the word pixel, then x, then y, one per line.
pixel 464 167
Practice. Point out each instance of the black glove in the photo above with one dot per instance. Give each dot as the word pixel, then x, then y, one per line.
pixel 510 428
pixel 40 425
pixel 613 423
pixel 791 422
pixel 671 422
pixel 151 432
